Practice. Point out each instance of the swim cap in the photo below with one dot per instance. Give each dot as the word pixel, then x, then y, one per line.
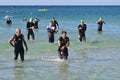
pixel 31 19
pixel 82 21
pixel 100 18
pixel 24 19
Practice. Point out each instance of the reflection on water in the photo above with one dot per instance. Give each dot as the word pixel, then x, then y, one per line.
pixel 63 70
pixel 99 32
pixel 18 71
pixel 83 55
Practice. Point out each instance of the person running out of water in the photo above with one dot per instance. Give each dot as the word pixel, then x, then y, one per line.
pixel 9 21
pixel 30 28
pixel 100 23
pixel 81 29
pixel 55 23
pixel 36 23
pixel 18 40
pixel 51 31
pixel 63 43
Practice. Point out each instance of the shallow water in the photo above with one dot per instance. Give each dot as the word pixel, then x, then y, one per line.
pixel 88 62
pixel 96 59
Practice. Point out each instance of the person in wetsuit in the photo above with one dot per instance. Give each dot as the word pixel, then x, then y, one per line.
pixel 8 22
pixel 51 31
pixel 36 23
pixel 55 23
pixel 18 40
pixel 30 27
pixel 100 23
pixel 81 29
pixel 63 43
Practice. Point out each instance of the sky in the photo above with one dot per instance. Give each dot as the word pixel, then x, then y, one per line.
pixel 60 2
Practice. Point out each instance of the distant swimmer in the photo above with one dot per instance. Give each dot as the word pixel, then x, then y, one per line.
pixel 63 43
pixel 36 20
pixel 18 40
pixel 55 23
pixel 9 21
pixel 30 28
pixel 51 31
pixel 100 23
pixel 81 29
pixel 24 19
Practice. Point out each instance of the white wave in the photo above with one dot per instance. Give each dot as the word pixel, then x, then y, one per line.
pixel 7 16
pixel 52 59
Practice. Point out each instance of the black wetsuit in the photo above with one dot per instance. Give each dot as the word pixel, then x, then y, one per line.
pixel 55 24
pixel 19 47
pixel 30 31
pixel 8 22
pixel 82 32
pixel 65 51
pixel 36 25
pixel 100 25
pixel 51 35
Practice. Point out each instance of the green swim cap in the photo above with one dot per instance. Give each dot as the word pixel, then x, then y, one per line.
pixel 31 19
pixel 82 21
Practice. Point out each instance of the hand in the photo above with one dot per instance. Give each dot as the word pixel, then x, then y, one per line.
pixel 61 52
pixel 26 49
pixel 56 30
pixel 62 48
pixel 80 28
pixel 32 27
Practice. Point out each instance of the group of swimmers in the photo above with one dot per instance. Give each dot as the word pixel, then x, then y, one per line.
pixel 52 28
pixel 30 26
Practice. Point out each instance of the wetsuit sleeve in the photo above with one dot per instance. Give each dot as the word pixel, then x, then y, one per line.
pixel 25 43
pixel 104 22
pixel 68 42
pixel 85 28
pixel 57 23
pixel 78 27
pixel 68 39
pixel 33 24
pixel 27 25
pixel 11 40
pixel 59 41
pixel 22 36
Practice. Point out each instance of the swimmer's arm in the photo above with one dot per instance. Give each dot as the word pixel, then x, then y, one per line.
pixel 11 40
pixel 57 25
pixel 104 22
pixel 25 44
pixel 97 22
pixel 67 44
pixel 59 43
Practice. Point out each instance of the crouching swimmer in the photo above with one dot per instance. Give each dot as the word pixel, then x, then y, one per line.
pixel 63 43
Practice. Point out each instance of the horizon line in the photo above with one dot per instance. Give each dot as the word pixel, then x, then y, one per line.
pixel 60 5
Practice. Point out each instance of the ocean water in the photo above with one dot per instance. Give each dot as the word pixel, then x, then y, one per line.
pixel 96 59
